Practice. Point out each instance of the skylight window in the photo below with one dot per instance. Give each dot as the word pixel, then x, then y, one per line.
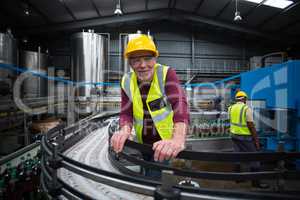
pixel 274 3
pixel 278 3
pixel 255 1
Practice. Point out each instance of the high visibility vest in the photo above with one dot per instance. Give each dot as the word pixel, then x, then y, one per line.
pixel 238 121
pixel 163 116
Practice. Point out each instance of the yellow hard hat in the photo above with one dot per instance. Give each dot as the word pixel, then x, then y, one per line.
pixel 141 43
pixel 241 94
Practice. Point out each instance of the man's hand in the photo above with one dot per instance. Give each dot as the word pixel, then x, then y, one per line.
pixel 166 149
pixel 257 145
pixel 252 129
pixel 118 139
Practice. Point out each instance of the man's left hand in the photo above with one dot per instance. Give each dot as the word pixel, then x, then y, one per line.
pixel 166 149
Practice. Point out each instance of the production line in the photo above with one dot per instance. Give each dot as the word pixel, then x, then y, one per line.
pixel 86 157
pixel 209 130
pixel 162 100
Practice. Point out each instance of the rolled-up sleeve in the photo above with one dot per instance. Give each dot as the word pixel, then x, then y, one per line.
pixel 249 116
pixel 126 116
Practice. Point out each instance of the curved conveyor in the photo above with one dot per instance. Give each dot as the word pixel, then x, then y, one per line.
pixel 93 151
pixel 89 157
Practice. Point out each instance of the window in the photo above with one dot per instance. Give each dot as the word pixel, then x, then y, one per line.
pixel 255 1
pixel 273 3
pixel 278 3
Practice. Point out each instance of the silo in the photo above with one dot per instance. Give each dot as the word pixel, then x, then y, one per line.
pixel 124 63
pixel 9 59
pixel 101 55
pixel 36 84
pixel 89 61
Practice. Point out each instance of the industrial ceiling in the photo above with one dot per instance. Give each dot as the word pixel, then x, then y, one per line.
pixel 40 16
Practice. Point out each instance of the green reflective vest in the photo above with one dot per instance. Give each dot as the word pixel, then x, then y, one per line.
pixel 238 121
pixel 163 115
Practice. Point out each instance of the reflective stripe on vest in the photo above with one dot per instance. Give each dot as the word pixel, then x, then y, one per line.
pixel 238 121
pixel 162 118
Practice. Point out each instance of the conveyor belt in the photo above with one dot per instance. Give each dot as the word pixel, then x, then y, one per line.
pixel 92 151
pixel 89 157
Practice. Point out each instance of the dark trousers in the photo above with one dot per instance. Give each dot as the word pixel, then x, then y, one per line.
pixel 245 144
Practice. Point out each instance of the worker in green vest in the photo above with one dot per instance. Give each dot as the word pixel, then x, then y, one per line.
pixel 243 132
pixel 152 102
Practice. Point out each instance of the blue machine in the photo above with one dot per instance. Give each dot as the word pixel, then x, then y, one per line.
pixel 278 86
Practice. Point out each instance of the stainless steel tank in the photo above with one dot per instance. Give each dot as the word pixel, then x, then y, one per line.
pixel 35 86
pixel 124 63
pixel 89 61
pixel 8 56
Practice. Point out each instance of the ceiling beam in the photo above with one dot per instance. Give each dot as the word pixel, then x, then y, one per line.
pixel 197 19
pixel 174 3
pixel 198 6
pixel 39 12
pixel 69 11
pixel 290 7
pixel 95 7
pixel 223 9
pixel 170 3
pixel 99 21
pixel 253 9
pixel 146 5
pixel 8 18
pixel 175 15
pixel 287 26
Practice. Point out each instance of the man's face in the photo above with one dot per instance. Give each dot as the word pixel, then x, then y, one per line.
pixel 142 62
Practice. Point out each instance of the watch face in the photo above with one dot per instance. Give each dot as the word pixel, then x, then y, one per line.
pixel 157 104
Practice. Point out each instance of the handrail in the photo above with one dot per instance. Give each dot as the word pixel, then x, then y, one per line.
pixel 18 153
pixel 221 156
pixel 212 175
pixel 146 186
pixel 283 55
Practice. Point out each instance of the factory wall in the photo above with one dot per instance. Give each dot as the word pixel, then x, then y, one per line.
pixel 177 50
pixel 181 49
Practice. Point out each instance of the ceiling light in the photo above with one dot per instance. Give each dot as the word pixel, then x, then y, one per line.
pixel 278 3
pixel 27 12
pixel 26 8
pixel 118 10
pixel 237 14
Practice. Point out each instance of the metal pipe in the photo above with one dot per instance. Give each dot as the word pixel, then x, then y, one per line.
pixel 108 48
pixel 193 51
pixel 39 70
pixel 120 49
pixel 44 170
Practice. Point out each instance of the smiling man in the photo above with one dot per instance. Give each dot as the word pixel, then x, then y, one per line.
pixel 152 102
